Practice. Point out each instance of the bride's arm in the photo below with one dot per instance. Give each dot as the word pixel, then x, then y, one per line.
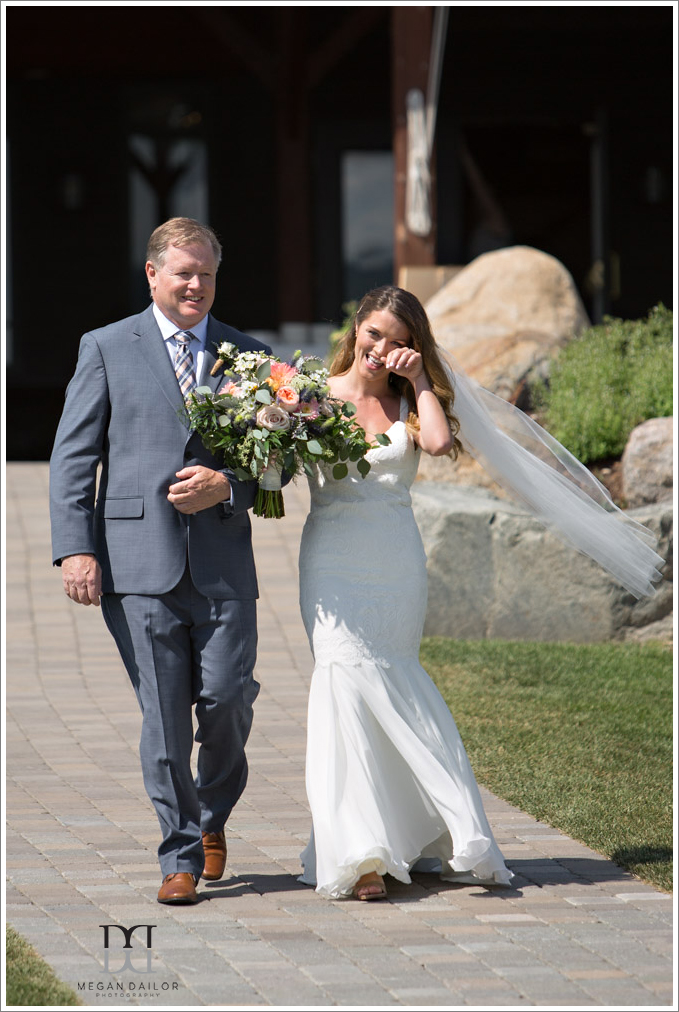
pixel 434 436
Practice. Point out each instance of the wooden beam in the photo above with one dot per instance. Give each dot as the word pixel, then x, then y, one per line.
pixel 341 41
pixel 411 30
pixel 242 45
pixel 293 169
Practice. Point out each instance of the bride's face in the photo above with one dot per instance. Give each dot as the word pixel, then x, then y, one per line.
pixel 376 336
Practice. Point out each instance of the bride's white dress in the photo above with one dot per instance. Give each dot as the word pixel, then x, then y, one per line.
pixel 388 779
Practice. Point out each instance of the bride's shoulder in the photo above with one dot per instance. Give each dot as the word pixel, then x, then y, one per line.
pixel 338 386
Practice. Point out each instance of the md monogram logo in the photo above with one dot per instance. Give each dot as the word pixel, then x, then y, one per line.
pixel 126 951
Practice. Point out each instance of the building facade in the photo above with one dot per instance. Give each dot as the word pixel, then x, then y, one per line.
pixel 283 127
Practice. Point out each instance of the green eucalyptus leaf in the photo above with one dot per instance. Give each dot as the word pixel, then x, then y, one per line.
pixel 349 409
pixel 263 396
pixel 263 371
pixel 363 466
pixel 340 471
pixel 382 438
pixel 315 447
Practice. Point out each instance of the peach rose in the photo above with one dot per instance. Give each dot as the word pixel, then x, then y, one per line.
pixel 288 398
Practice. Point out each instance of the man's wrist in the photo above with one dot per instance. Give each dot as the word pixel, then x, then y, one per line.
pixel 73 555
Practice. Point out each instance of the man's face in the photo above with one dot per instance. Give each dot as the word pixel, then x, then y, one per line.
pixel 184 287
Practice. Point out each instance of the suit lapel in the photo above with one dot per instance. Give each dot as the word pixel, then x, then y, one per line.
pixel 150 342
pixel 209 360
pixel 152 347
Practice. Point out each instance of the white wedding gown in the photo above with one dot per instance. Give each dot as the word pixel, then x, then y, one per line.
pixel 388 780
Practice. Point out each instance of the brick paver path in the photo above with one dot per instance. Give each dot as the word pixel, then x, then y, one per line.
pixel 81 841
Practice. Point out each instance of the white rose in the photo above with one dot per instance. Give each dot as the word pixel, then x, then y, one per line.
pixel 227 350
pixel 273 418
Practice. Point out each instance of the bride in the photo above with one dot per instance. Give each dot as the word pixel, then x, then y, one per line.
pixel 388 779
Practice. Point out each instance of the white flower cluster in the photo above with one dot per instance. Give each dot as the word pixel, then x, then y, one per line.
pixel 248 361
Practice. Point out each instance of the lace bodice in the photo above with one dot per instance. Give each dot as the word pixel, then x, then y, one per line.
pixel 392 471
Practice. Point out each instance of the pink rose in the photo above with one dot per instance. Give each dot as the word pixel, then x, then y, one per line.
pixel 273 418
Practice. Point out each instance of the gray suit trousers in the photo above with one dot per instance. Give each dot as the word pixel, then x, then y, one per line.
pixel 182 649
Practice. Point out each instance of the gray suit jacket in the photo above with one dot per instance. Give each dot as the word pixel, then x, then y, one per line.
pixel 124 410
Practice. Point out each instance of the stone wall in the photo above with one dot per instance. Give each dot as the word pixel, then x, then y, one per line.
pixel 495 572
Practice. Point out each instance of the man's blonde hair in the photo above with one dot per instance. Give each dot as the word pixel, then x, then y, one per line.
pixel 180 232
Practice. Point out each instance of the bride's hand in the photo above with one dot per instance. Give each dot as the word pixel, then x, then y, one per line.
pixel 405 362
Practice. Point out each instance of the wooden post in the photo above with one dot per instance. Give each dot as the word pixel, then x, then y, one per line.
pixel 411 29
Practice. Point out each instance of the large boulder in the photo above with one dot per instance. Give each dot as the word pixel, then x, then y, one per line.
pixel 502 318
pixel 505 314
pixel 495 572
pixel 648 463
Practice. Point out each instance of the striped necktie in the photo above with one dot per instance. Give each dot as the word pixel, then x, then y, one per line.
pixel 183 363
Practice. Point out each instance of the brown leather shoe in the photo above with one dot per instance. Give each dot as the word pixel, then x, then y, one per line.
pixel 214 845
pixel 179 887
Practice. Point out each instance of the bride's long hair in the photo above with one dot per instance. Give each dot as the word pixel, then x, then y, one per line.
pixel 408 309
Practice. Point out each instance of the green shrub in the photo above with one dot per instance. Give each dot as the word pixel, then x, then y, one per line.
pixel 606 382
pixel 349 310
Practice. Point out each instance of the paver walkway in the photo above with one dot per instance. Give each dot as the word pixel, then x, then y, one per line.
pixel 81 841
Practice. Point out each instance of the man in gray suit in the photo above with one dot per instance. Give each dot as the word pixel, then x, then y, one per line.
pixel 165 546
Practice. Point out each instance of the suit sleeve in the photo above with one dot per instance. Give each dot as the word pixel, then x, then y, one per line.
pixel 242 495
pixel 76 454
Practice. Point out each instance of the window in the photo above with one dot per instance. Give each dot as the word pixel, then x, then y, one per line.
pixel 367 221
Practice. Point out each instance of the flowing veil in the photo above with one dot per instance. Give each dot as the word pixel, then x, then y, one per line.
pixel 542 475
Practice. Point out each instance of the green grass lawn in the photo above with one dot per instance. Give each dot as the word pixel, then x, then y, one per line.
pixel 577 735
pixel 30 981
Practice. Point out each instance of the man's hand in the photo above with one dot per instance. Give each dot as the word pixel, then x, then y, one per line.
pixel 198 488
pixel 81 575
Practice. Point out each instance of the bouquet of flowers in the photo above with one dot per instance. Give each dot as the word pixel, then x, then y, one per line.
pixel 271 416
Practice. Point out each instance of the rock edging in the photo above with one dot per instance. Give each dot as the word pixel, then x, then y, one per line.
pixel 496 573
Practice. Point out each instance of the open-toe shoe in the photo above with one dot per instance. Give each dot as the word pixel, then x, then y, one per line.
pixel 370 887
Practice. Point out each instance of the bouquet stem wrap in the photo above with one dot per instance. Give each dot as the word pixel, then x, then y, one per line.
pixel 269 497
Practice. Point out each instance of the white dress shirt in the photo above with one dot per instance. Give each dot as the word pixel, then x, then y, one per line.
pixel 197 347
